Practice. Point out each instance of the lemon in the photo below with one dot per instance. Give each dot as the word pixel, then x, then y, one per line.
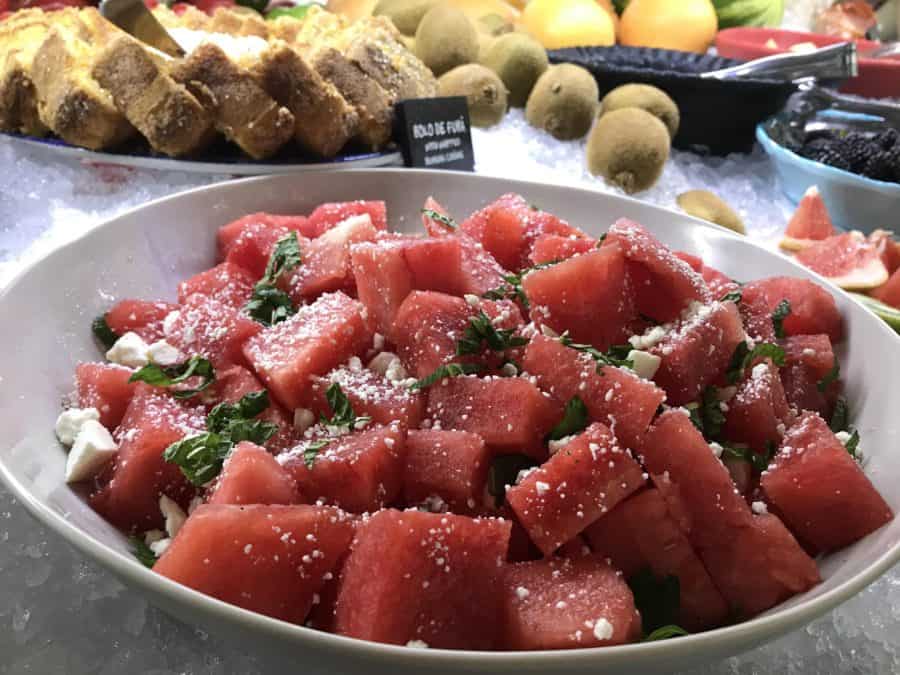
pixel 685 25
pixel 569 23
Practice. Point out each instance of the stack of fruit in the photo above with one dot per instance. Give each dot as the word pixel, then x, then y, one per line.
pixel 873 155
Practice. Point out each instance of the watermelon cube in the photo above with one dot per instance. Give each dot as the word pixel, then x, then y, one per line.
pixel 758 412
pixel 552 247
pixel 139 316
pixel 326 260
pixel 426 578
pixel 383 280
pixel 229 234
pixel 718 283
pixel 436 264
pixel 820 490
pixel 129 492
pixel 641 532
pixel 812 351
pixel 665 285
pixel 801 389
pixel 370 395
pixel 584 480
pixel 510 413
pixel 316 339
pixel 562 603
pixel 269 559
pixel 328 216
pixel 588 295
pixel 361 471
pixel 253 248
pixel 228 283
pixel 697 350
pixel 614 396
pixel 252 476
pixel 105 387
pixel 452 465
pixel 754 562
pixel 813 310
pixel 206 327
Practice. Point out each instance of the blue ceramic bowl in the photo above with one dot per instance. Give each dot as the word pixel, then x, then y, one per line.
pixel 854 202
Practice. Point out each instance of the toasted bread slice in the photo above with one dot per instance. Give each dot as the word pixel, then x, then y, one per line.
pixel 20 36
pixel 100 31
pixel 238 23
pixel 324 121
pixel 70 102
pixel 172 120
pixel 242 109
pixel 190 17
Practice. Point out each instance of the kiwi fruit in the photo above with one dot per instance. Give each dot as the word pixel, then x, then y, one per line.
pixel 494 24
pixel 405 14
pixel 705 205
pixel 647 97
pixel 629 148
pixel 445 39
pixel 563 102
pixel 519 60
pixel 484 92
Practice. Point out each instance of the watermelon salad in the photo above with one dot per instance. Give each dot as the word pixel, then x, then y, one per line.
pixel 499 434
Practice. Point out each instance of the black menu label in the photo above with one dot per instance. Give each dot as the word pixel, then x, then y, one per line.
pixel 434 133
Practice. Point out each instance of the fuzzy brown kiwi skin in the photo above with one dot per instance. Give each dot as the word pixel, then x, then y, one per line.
pixel 445 39
pixel 519 60
pixel 405 14
pixel 484 91
pixel 563 102
pixel 628 147
pixel 706 205
pixel 647 97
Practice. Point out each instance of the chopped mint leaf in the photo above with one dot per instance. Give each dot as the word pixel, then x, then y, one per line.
pixel 830 377
pixel 342 410
pixel 732 296
pixel 782 311
pixel 504 471
pixel 658 599
pixel 481 331
pixel 575 419
pixel 665 633
pixel 743 453
pixel 840 417
pixel 512 288
pixel 270 305
pixel 284 258
pixel 169 376
pixel 106 335
pixel 200 457
pixel 707 413
pixel 447 370
pixel 225 414
pixel 444 220
pixel 852 443
pixel 142 552
pixel 312 451
pixel 613 357
pixel 743 356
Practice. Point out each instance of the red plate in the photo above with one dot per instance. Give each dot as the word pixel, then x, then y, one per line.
pixel 878 78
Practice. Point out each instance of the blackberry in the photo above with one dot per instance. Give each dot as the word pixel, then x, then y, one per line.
pixel 888 139
pixel 879 167
pixel 857 149
pixel 814 147
pixel 832 157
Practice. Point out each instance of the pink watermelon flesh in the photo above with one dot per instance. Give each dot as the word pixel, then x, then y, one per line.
pixel 253 248
pixel 579 484
pixel 754 562
pixel 208 328
pixel 813 310
pixel 228 283
pixel 361 472
pixel 820 490
pixel 802 392
pixel 758 413
pixel 552 247
pixel 588 295
pixel 556 604
pixel 813 351
pixel 252 476
pixel 452 465
pixel 839 255
pixel 421 576
pixel 436 264
pixel 129 491
pixel 664 284
pixel 811 219
pixel 229 234
pixel 641 532
pixel 697 350
pixel 139 316
pixel 718 283
pixel 318 338
pixel 104 387
pixel 889 292
pixel 269 559
pixel 509 413
pixel 328 216
pixel 614 396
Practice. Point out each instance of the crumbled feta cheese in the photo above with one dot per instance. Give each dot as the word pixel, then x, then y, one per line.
pixel 395 372
pixel 843 436
pixel 759 508
pixel 760 370
pixel 168 325
pixel 303 419
pixel 163 354
pixel 355 364
pixel 603 629
pixel 129 350
pixel 159 547
pixel 541 487
pixel 378 342
pixel 524 473
pixel 649 339
pixel 548 332
pixel 153 536
pixel 195 503
pixel 645 363
pixel 173 514
pixel 92 449
pixel 472 300
pixel 522 592
pixel 70 421
pixel 417 644
pixel 509 369
pixel 556 446
pixel 716 449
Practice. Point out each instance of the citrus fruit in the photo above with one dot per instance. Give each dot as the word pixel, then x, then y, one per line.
pixel 847 260
pixel 810 222
pixel 686 25
pixel 889 292
pixel 569 23
pixel 888 249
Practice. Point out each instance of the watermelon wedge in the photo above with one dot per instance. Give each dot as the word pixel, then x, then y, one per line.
pixel 251 475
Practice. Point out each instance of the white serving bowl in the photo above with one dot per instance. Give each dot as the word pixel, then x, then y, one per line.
pixel 145 252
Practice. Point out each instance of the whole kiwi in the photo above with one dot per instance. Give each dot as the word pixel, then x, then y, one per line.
pixel 563 102
pixel 706 205
pixel 484 92
pixel 519 60
pixel 405 14
pixel 629 148
pixel 655 101
pixel 446 38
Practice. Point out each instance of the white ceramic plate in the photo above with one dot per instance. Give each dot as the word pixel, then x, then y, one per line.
pixel 145 252
pixel 230 162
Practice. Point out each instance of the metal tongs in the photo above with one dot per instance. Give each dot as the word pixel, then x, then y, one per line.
pixel 833 63
pixel 135 18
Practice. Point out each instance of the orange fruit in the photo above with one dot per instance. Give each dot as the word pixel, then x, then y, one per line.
pixel 609 9
pixel 569 23
pixel 685 25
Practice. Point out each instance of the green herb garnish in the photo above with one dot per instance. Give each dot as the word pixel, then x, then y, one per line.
pixel 106 335
pixel 444 220
pixel 312 451
pixel 782 311
pixel 270 305
pixel 743 356
pixel 830 377
pixel 504 471
pixel 447 370
pixel 658 599
pixel 142 552
pixel 665 633
pixel 707 414
pixel 614 356
pixel 342 410
pixel 840 416
pixel 512 287
pixel 852 443
pixel 732 296
pixel 743 453
pixel 481 331
pixel 575 419
pixel 169 376
pixel 200 457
